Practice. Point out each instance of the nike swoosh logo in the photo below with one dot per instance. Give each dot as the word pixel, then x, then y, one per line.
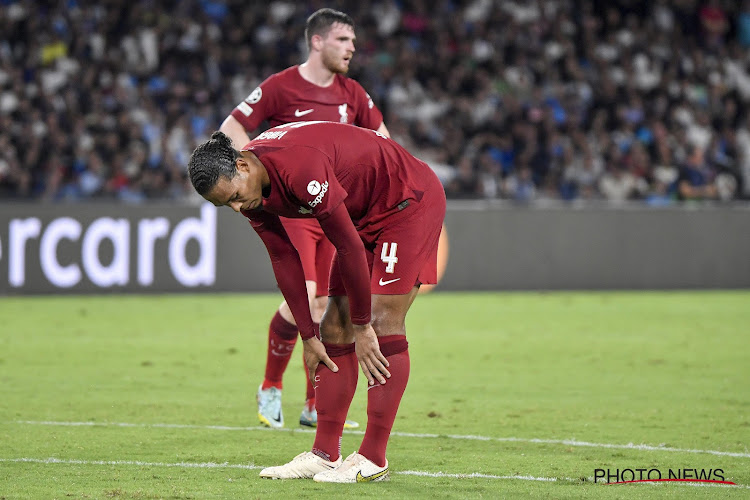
pixel 299 113
pixel 383 283
pixel 377 475
pixel 278 417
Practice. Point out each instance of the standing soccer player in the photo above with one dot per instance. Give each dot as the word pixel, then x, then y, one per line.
pixel 314 90
pixel 383 210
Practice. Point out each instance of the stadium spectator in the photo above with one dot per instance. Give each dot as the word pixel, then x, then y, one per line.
pixel 386 238
pixel 697 177
pixel 314 90
pixel 85 76
pixel 464 184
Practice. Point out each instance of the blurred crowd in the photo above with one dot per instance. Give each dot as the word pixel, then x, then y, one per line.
pixel 515 100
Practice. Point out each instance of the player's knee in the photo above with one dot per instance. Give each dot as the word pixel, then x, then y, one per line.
pixel 331 329
pixel 386 322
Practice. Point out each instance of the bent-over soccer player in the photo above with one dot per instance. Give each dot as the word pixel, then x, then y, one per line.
pixel 383 210
pixel 312 91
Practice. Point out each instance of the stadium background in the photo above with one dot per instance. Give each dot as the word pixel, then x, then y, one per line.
pixel 545 106
pixel 525 101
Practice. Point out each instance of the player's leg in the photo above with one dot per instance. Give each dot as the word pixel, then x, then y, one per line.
pixel 394 276
pixel 309 415
pixel 282 331
pixel 282 337
pixel 416 234
pixel 388 321
pixel 324 252
pixel 389 314
pixel 323 260
pixel 334 393
pixel 405 255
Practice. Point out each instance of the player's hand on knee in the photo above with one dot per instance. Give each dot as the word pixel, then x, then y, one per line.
pixel 373 363
pixel 314 353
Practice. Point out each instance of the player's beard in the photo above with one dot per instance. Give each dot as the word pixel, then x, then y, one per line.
pixel 334 64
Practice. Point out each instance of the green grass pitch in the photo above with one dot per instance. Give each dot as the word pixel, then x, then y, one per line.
pixel 511 395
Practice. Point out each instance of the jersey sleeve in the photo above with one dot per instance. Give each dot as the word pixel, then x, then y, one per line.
pixel 314 182
pixel 258 106
pixel 368 115
pixel 287 268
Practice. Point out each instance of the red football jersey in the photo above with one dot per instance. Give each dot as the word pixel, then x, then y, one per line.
pixel 316 166
pixel 338 174
pixel 286 97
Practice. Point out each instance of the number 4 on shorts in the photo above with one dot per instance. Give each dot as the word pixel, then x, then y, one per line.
pixel 389 257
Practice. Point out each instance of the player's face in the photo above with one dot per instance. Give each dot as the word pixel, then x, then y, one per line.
pixel 338 48
pixel 243 192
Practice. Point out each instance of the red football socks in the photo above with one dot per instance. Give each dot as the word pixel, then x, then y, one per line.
pixel 282 335
pixel 383 400
pixel 333 395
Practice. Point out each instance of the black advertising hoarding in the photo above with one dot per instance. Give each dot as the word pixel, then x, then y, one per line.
pixel 120 248
pixel 158 248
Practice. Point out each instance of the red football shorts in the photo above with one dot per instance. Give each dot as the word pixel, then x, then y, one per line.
pixel 402 251
pixel 315 251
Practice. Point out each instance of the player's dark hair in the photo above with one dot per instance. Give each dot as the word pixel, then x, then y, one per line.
pixel 212 160
pixel 321 21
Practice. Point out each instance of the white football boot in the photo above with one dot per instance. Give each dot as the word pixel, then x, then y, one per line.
pixel 269 407
pixel 303 466
pixel 355 469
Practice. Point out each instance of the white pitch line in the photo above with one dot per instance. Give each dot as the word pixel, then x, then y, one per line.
pixel 186 465
pixel 225 465
pixel 566 442
pixel 214 465
pixel 478 475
